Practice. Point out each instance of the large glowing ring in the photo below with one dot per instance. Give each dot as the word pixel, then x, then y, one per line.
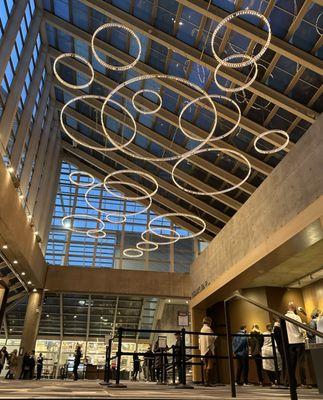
pixel 87 174
pixel 132 252
pixel 110 66
pixel 229 18
pixel 180 215
pixel 143 111
pixel 80 58
pixel 246 85
pixel 99 148
pixel 212 96
pixel 122 216
pixel 130 171
pixel 217 191
pixel 96 234
pixel 85 216
pixel 141 246
pixel 275 150
pixel 153 232
pixel 161 76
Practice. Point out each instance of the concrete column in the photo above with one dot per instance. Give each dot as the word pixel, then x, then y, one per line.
pixel 31 324
pixel 44 149
pixel 197 316
pixel 27 112
pixel 12 102
pixel 34 139
pixel 10 34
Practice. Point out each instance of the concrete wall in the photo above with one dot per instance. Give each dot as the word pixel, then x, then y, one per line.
pixel 16 232
pixel 117 281
pixel 278 210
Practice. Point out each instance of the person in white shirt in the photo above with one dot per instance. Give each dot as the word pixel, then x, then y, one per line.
pixel 319 327
pixel 296 339
pixel 207 348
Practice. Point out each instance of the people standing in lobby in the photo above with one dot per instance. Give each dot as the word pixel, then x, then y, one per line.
pixel 296 339
pixel 240 346
pixel 267 351
pixel 313 324
pixel 12 365
pixel 77 361
pixel 256 341
pixel 320 327
pixel 40 362
pixel 32 364
pixel 148 365
pixel 4 356
pixel 207 348
pixel 136 366
pixel 25 366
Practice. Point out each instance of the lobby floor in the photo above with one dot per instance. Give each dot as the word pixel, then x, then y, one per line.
pixel 56 389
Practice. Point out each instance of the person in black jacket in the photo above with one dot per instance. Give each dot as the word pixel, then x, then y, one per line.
pixel 4 356
pixel 136 366
pixel 240 347
pixel 77 361
pixel 279 341
pixel 177 348
pixel 25 366
pixel 256 341
pixel 40 362
pixel 31 364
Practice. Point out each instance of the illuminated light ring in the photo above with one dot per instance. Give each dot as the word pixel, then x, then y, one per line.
pixel 110 66
pixel 153 232
pixel 212 96
pixel 217 191
pixel 96 234
pixel 275 150
pixel 136 253
pixel 317 28
pixel 140 245
pixel 123 216
pixel 180 215
pixel 99 148
pixel 87 174
pixel 160 76
pixel 80 58
pixel 143 111
pixel 255 57
pixel 85 216
pixel 246 85
pixel 130 171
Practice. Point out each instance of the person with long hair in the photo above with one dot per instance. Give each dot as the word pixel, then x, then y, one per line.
pixel 256 341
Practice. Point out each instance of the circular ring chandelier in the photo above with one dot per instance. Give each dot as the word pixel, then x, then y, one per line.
pixel 193 217
pixel 80 173
pixel 98 148
pixel 83 216
pixel 143 246
pixel 246 161
pixel 212 96
pixel 130 171
pixel 275 150
pixel 150 111
pixel 224 21
pixel 77 57
pixel 122 219
pixel 176 79
pixel 243 87
pixel 153 231
pixel 111 66
pixel 132 252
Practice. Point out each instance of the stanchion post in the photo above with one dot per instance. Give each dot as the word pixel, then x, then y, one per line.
pixel 291 377
pixel 275 358
pixel 173 369
pixel 119 355
pixel 230 351
pixel 183 384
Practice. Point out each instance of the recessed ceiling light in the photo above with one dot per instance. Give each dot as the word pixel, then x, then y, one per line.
pixel 34 290
pixel 47 315
pixel 5 246
pixel 36 233
pixel 15 261
pixel 75 316
pixel 21 196
pixel 23 273
pixel 186 302
pixel 29 283
pixel 169 300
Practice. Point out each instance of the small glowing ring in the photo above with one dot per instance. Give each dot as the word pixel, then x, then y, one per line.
pixel 246 85
pixel 140 246
pixel 80 58
pixel 132 171
pixel 153 232
pixel 229 18
pixel 96 234
pixel 110 66
pixel 161 76
pixel 97 220
pixel 136 253
pixel 217 191
pixel 275 150
pixel 116 214
pixel 87 174
pixel 180 215
pixel 212 96
pixel 147 91
pixel 99 148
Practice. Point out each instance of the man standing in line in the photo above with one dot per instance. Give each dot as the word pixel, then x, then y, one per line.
pixel 207 348
pixel 296 340
pixel 240 347
pixel 77 361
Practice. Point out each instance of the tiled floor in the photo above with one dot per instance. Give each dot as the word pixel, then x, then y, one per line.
pixel 92 390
